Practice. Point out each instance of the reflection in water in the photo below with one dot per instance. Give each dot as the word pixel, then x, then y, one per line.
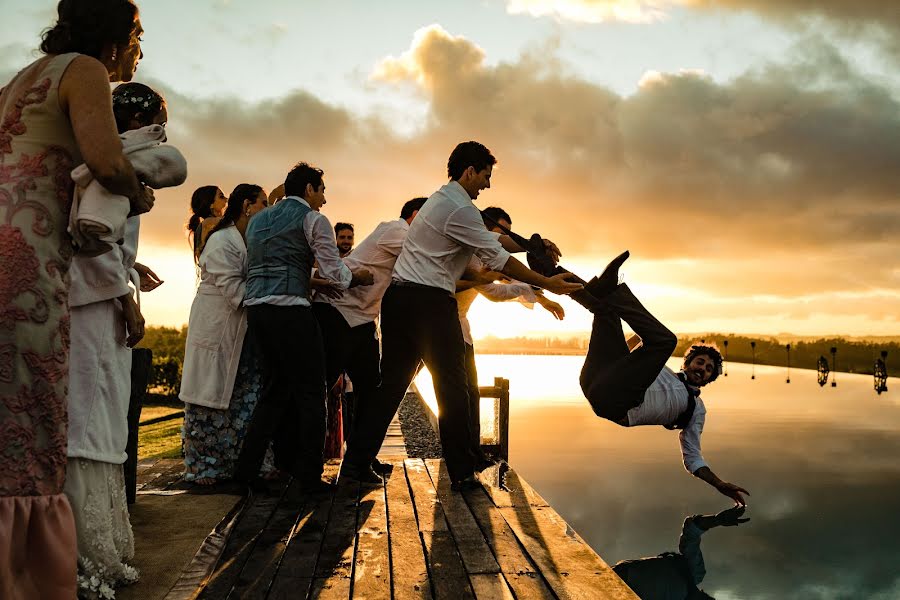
pixel 677 575
pixel 822 464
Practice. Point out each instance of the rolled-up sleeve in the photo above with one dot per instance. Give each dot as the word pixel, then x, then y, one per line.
pixel 465 227
pixel 690 440
pixel 320 236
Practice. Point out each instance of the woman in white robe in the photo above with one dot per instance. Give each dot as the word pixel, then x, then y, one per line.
pixel 220 380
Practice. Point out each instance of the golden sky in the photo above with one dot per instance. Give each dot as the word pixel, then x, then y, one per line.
pixel 745 151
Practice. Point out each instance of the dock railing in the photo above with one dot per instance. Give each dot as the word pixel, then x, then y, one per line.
pixel 495 440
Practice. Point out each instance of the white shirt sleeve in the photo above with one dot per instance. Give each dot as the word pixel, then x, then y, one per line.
pixel 465 227
pixel 501 292
pixel 689 546
pixel 225 265
pixel 690 440
pixel 320 236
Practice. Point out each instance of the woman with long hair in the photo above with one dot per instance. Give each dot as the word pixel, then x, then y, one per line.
pixel 220 379
pixel 54 114
pixel 207 205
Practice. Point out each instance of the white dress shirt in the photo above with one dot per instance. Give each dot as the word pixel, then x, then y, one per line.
pixel 664 401
pixel 442 238
pixel 377 253
pixel 495 292
pixel 320 236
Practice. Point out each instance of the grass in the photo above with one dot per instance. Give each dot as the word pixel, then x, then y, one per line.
pixel 160 440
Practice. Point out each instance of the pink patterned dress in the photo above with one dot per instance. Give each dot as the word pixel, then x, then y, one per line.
pixel 37 152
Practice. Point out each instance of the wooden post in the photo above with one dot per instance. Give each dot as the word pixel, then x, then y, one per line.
pixel 141 368
pixel 502 386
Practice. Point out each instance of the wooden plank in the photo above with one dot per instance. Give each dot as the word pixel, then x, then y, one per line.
pixel 335 564
pixel 240 545
pixel 475 552
pixel 333 588
pixel 289 588
pixel 159 469
pixel 429 514
pixel 491 586
pixel 448 574
pixel 571 568
pixel 409 575
pixel 258 571
pixel 372 568
pixel 507 489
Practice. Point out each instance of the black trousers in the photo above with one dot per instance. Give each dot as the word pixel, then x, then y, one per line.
pixel 351 349
pixel 291 407
pixel 613 379
pixel 418 323
pixel 474 400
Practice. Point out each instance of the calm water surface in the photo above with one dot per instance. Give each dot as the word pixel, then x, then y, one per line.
pixel 821 464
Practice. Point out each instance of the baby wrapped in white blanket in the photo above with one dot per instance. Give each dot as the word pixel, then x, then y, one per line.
pixel 97 218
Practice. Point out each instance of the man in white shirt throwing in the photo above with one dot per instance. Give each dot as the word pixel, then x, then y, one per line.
pixel 630 384
pixel 419 319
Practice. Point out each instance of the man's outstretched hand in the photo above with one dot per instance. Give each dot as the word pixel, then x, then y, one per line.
pixel 735 492
pixel 563 283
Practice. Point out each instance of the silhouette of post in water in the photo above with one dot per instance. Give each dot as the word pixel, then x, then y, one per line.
pixel 725 343
pixel 833 366
pixel 753 368
pixel 880 373
pixel 788 348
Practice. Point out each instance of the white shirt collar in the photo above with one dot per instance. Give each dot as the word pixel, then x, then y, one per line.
pixel 300 200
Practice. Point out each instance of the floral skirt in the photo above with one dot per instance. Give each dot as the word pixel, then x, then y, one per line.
pixel 96 491
pixel 213 437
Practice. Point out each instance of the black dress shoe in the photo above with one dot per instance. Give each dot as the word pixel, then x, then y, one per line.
pixel 381 468
pixel 364 475
pixel 601 286
pixel 469 483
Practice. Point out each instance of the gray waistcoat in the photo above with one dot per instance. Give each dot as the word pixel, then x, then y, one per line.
pixel 279 258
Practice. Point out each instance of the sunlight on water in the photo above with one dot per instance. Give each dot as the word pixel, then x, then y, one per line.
pixel 821 464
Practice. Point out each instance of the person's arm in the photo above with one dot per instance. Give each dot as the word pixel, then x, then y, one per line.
pixel 503 292
pixel 723 487
pixel 84 96
pixel 558 284
pixel 554 308
pixel 134 320
pixel 510 245
pixel 149 280
pixel 320 235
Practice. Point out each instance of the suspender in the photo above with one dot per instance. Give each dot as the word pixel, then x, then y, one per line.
pixel 685 417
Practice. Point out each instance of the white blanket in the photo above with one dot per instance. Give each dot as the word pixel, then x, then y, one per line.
pixel 97 219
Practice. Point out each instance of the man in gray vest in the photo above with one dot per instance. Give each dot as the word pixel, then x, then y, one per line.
pixel 281 248
pixel 629 382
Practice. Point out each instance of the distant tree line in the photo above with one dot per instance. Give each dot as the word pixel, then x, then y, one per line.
pixel 852 356
pixel 167 344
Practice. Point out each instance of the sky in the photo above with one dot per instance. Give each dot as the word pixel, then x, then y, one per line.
pixel 746 152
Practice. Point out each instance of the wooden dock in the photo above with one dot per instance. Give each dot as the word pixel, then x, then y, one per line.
pixel 411 537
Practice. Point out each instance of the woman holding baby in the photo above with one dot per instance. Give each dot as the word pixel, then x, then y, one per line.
pixel 54 114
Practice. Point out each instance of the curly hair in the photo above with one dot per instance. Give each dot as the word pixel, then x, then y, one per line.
pixel 88 26
pixel 702 349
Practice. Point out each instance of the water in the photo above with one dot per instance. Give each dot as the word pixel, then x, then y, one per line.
pixel 821 465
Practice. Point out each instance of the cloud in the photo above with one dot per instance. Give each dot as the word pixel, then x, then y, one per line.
pixel 778 184
pixel 592 11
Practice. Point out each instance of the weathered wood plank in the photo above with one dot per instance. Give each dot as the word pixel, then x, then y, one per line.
pixel 448 574
pixel 335 564
pixel 240 545
pixel 258 571
pixel 429 514
pixel 372 569
pixel 571 568
pixel 474 550
pixel 333 588
pixel 491 586
pixel 409 575
pixel 506 488
pixel 289 588
pixel 148 478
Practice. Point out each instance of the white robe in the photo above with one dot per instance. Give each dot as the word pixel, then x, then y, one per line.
pixel 217 324
pixel 99 360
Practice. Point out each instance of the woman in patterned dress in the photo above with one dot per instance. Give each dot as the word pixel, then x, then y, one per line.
pixel 54 114
pixel 220 381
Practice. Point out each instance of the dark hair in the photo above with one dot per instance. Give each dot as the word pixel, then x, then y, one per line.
pixel 135 102
pixel 702 349
pixel 469 154
pixel 201 205
pixel 412 206
pixel 338 227
pixel 87 26
pixel 496 214
pixel 243 191
pixel 300 175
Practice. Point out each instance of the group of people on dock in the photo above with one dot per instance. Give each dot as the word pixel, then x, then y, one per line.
pixel 283 310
